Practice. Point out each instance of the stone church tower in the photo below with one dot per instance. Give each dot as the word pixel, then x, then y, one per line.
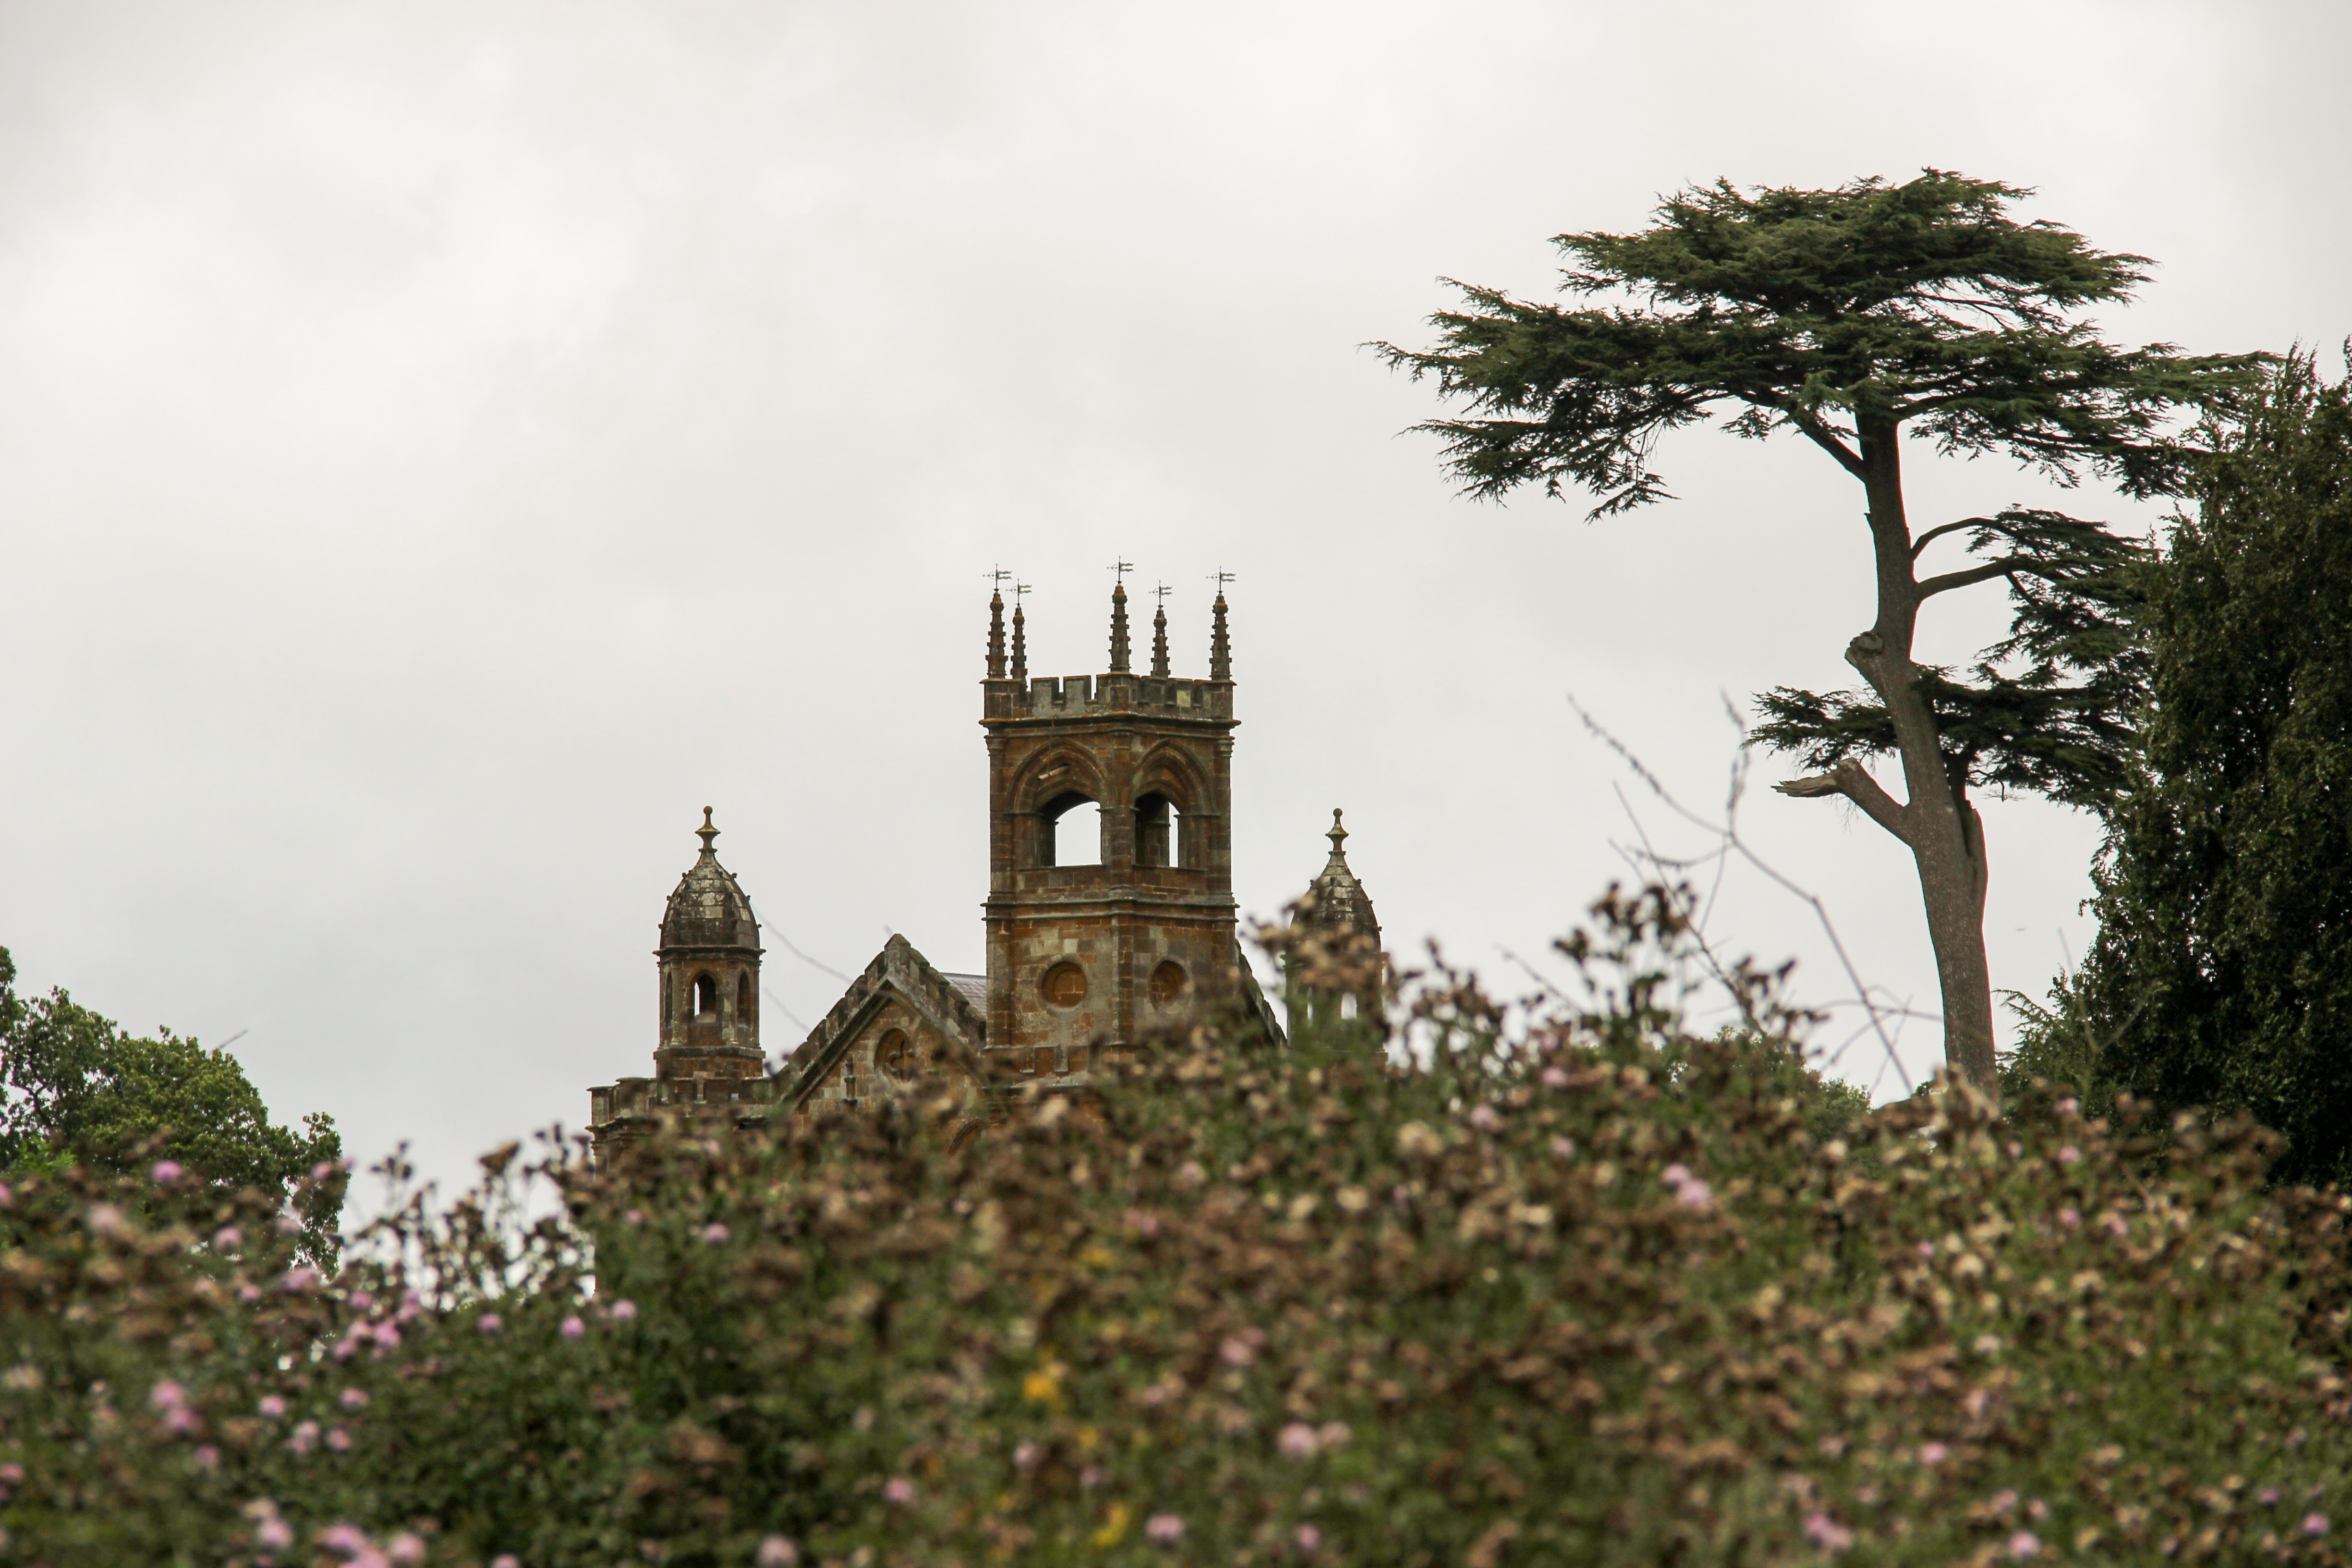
pixel 1092 946
pixel 1092 950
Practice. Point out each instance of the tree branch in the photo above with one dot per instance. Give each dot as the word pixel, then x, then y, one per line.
pixel 1826 439
pixel 1852 780
pixel 1938 532
pixel 1986 572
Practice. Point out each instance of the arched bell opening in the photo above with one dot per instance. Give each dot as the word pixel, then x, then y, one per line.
pixel 1159 831
pixel 1070 831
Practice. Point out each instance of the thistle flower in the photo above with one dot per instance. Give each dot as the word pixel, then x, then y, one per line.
pixel 776 1551
pixel 1163 1528
pixel 572 1327
pixel 166 1172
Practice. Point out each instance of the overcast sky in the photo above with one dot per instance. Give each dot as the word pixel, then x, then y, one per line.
pixel 443 446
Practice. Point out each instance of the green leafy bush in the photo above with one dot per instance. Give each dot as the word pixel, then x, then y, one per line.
pixel 1577 1289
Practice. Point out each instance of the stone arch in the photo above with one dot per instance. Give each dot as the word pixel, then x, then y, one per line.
pixel 1047 788
pixel 1168 791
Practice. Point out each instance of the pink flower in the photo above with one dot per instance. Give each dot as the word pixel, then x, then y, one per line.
pixel 348 1539
pixel 2114 1225
pixel 2068 1153
pixel 406 1547
pixel 506 1560
pixel 899 1489
pixel 273 1533
pixel 1926 1249
pixel 1164 1530
pixel 1091 1476
pixel 1025 1454
pixel 12 1474
pixel 624 1310
pixel 714 1232
pixel 2269 1497
pixel 1676 1174
pixel 1296 1441
pixel 167 1395
pixel 297 1279
pixel 1564 1148
pixel 228 1238
pixel 1826 1532
pixel 248 1294
pixel 180 1422
pixel 2069 1106
pixel 1307 1537
pixel 1237 1352
pixel 1693 1195
pixel 324 1169
pixel 106 1219
pixel 776 1551
pixel 1483 1117
pixel 362 1300
pixel 572 1327
pixel 2070 1217
pixel 2315 1525
pixel 272 1405
pixel 339 1440
pixel 305 1437
pixel 1933 1453
pixel 354 1398
pixel 1555 1077
pixel 635 1216
pixel 207 1458
pixel 1146 1226
pixel 166 1172
pixel 489 1323
pixel 7 1197
pixel 2024 1543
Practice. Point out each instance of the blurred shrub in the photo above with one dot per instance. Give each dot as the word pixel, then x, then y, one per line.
pixel 1577 1287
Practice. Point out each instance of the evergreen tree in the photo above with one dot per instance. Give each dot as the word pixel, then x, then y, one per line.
pixel 2222 972
pixel 1854 318
pixel 79 1088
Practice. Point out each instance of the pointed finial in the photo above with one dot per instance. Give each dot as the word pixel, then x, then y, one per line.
pixel 996 626
pixel 706 832
pixel 1221 647
pixel 1159 633
pixel 1338 833
pixel 1118 624
pixel 1020 637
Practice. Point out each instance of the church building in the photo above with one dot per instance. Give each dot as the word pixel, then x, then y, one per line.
pixel 1084 960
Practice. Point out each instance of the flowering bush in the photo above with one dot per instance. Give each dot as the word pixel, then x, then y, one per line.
pixel 1578 1288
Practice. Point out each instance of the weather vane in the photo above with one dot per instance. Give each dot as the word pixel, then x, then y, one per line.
pixel 1221 577
pixel 1161 593
pixel 1120 569
pixel 999 576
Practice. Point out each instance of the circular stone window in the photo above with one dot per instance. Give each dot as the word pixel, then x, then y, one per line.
pixel 1168 983
pixel 1064 984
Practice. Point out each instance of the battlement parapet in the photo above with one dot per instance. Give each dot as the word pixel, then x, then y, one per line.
pixel 1119 691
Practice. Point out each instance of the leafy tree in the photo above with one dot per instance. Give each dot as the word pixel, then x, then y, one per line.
pixel 79 1088
pixel 1856 317
pixel 2222 971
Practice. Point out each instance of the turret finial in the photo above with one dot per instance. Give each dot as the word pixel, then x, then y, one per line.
pixel 1119 627
pixel 1159 633
pixel 996 625
pixel 706 832
pixel 1221 647
pixel 1338 833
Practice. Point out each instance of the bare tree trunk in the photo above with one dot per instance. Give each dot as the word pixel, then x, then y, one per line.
pixel 1942 830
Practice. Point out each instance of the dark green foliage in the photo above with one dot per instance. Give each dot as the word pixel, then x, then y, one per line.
pixel 1920 303
pixel 2052 708
pixel 79 1088
pixel 1579 1289
pixel 1919 308
pixel 2223 975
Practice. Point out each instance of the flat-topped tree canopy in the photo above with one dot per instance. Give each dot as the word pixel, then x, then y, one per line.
pixel 1853 317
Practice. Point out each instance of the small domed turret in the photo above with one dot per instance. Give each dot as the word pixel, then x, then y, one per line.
pixel 708 908
pixel 1334 971
pixel 1335 899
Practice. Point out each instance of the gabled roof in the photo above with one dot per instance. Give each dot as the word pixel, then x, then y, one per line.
pixel 952 1004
